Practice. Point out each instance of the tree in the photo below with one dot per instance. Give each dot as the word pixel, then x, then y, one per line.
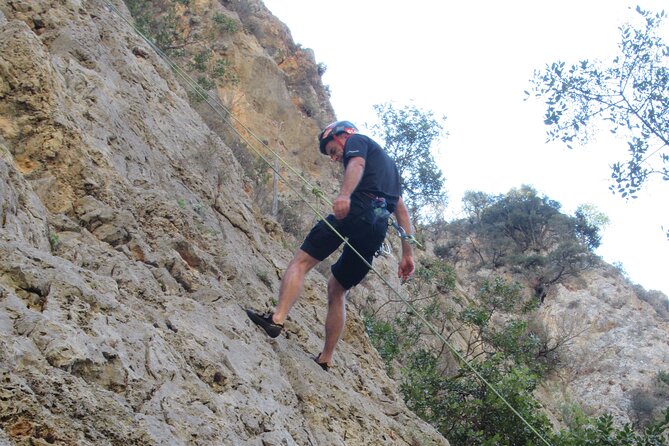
pixel 588 221
pixel 465 410
pixel 409 134
pixel 531 221
pixel 630 95
pixel 523 229
pixel 448 394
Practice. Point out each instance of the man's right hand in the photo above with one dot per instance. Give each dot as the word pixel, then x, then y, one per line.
pixel 340 206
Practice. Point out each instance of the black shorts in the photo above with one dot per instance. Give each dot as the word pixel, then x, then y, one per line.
pixel 364 232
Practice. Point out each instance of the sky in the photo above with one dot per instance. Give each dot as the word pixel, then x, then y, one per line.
pixel 472 61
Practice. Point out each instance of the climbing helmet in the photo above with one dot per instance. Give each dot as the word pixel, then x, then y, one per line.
pixel 333 129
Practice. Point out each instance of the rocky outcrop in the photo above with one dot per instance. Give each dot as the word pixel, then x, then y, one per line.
pixel 616 344
pixel 606 340
pixel 129 248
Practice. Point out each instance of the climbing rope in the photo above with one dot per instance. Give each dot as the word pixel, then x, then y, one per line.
pixel 224 113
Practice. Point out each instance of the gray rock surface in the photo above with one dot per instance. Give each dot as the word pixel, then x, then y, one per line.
pixel 618 344
pixel 128 250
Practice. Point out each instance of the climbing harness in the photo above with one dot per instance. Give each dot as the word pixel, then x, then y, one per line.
pixel 380 211
pixel 224 113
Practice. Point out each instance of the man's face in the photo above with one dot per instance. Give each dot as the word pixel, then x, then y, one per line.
pixel 334 150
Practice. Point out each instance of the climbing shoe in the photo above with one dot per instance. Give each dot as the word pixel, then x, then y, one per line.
pixel 265 322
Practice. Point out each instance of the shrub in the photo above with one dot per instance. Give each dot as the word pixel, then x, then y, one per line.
pixel 663 377
pixel 438 273
pixel 54 241
pixel 200 60
pixel 225 24
pixel 465 410
pixel 602 432
pixel 220 68
pixel 159 25
pixel 643 405
pixel 205 83
pixel 385 338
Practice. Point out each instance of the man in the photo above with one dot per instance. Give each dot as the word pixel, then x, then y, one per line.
pixel 370 192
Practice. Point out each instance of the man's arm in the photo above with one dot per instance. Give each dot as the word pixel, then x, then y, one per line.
pixel 406 267
pixel 352 176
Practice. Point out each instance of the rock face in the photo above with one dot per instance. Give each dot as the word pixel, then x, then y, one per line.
pixel 132 239
pixel 607 340
pixel 129 247
pixel 618 344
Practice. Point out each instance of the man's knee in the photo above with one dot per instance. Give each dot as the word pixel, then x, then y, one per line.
pixel 302 262
pixel 336 292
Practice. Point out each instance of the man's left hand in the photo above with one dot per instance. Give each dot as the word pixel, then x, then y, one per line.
pixel 406 268
pixel 340 206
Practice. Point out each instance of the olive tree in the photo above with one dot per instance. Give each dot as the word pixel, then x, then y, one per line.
pixel 629 95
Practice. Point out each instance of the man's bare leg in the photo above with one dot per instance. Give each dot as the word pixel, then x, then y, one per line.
pixel 292 284
pixel 335 319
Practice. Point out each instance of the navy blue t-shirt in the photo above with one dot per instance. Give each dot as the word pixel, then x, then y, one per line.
pixel 380 178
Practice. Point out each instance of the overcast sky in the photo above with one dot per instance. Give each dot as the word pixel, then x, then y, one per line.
pixel 472 61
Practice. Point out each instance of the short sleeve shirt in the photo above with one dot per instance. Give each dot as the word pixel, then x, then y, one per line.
pixel 380 178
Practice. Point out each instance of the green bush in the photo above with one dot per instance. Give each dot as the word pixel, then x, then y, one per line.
pixel 54 241
pixel 385 338
pixel 512 357
pixel 157 21
pixel 437 273
pixel 663 377
pixel 225 24
pixel 200 60
pixel 220 68
pixel 465 410
pixel 206 83
pixel 602 432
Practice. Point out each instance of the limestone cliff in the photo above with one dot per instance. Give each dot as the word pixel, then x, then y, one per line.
pixel 606 339
pixel 619 343
pixel 130 244
pixel 135 227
